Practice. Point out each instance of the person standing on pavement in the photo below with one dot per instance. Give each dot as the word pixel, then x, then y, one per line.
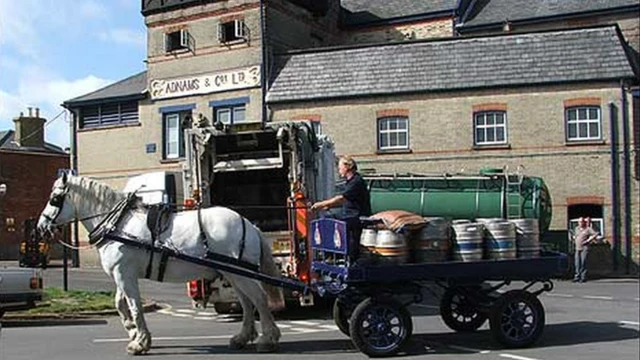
pixel 582 237
pixel 351 204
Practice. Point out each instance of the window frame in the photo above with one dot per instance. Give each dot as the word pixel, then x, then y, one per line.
pixel 183 117
pixel 380 132
pixel 579 121
pixel 232 113
pixel 487 127
pixel 125 115
pixel 176 41
pixel 235 29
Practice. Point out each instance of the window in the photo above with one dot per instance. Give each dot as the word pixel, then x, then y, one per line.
pixel 393 133
pixel 177 40
pixel 109 115
pixel 173 133
pixel 231 31
pixel 231 114
pixel 583 123
pixel 490 128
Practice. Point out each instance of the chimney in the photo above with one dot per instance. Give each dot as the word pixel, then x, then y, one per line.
pixel 30 129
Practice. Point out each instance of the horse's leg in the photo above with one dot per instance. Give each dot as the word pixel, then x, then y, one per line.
pixel 248 331
pixel 127 282
pixel 125 315
pixel 268 341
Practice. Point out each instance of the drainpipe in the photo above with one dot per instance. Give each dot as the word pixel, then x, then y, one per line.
pixel 615 183
pixel 263 66
pixel 627 179
pixel 75 256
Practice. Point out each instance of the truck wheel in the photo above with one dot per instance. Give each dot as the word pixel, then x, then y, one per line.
pixel 517 319
pixel 459 313
pixel 225 308
pixel 341 316
pixel 380 327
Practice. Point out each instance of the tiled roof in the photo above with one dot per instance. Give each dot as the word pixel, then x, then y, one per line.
pixel 360 12
pixel 453 64
pixel 7 143
pixel 131 86
pixel 497 11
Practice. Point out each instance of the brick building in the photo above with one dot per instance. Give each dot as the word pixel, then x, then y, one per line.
pixel 402 85
pixel 28 167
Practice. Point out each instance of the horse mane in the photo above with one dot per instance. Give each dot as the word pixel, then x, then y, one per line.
pixel 85 188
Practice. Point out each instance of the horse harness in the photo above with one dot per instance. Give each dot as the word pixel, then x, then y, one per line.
pixel 158 221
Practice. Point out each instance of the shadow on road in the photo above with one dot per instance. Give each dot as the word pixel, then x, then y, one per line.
pixel 565 334
pixel 52 322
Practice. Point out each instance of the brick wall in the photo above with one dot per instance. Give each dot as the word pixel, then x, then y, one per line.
pixel 29 178
pixel 436 28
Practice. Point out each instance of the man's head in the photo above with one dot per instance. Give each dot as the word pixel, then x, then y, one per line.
pixel 346 166
pixel 582 222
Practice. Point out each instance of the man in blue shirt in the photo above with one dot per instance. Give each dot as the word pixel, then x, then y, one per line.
pixel 354 202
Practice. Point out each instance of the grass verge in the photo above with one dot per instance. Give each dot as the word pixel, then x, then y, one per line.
pixel 58 301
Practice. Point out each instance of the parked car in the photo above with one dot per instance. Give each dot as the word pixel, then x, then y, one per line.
pixel 20 288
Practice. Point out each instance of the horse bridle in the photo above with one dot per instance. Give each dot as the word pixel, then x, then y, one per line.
pixel 56 201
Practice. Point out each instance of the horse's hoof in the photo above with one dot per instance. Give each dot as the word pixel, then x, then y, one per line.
pixel 267 347
pixel 135 349
pixel 236 344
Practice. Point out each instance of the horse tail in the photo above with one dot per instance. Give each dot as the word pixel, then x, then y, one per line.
pixel 275 296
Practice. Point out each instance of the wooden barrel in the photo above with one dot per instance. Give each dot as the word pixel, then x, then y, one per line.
pixel 432 242
pixel 500 239
pixel 468 242
pixel 527 238
pixel 368 240
pixel 391 248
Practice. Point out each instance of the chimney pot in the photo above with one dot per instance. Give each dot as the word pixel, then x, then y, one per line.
pixel 30 113
pixel 37 112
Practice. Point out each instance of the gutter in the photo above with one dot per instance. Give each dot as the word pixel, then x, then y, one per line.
pixel 543 19
pixel 615 185
pixel 627 178
pixel 263 73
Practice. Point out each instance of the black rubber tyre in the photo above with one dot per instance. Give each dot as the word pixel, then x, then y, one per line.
pixel 380 327
pixel 517 319
pixel 341 316
pixel 226 308
pixel 458 313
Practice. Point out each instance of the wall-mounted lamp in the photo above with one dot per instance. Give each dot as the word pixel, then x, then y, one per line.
pixel 3 189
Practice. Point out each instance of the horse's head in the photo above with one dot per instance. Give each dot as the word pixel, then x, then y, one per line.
pixel 59 209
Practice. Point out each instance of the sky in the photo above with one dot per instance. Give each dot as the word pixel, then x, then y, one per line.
pixel 54 50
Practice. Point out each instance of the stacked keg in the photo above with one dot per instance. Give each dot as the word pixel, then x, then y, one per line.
pixel 527 238
pixel 500 239
pixel 468 243
pixel 431 244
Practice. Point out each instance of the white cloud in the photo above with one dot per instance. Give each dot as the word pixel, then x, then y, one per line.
pixel 93 9
pixel 124 37
pixel 47 95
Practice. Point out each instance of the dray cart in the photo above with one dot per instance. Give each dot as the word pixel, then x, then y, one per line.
pixel 372 300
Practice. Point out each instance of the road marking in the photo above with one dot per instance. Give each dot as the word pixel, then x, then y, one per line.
pixel 305 323
pixel 637 299
pixel 633 323
pixel 303 330
pixel 560 295
pixel 203 318
pixel 284 326
pixel 210 337
pixel 598 297
pixel 186 311
pixel 427 306
pixel 464 348
pixel 329 327
pixel 516 357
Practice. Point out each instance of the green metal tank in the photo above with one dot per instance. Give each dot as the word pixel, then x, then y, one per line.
pixel 488 194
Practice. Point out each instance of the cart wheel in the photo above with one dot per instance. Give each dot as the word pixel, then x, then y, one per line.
pixel 380 327
pixel 517 319
pixel 459 313
pixel 226 308
pixel 341 316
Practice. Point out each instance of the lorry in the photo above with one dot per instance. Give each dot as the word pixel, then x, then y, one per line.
pixel 268 174
pixel 20 288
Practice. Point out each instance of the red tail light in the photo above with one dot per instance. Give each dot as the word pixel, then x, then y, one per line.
pixel 193 288
pixel 35 283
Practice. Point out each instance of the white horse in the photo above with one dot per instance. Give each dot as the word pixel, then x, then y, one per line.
pixel 218 229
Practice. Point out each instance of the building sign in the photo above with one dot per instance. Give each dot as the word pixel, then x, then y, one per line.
pixel 207 83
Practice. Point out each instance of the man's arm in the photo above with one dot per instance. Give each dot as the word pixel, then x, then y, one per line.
pixel 328 203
